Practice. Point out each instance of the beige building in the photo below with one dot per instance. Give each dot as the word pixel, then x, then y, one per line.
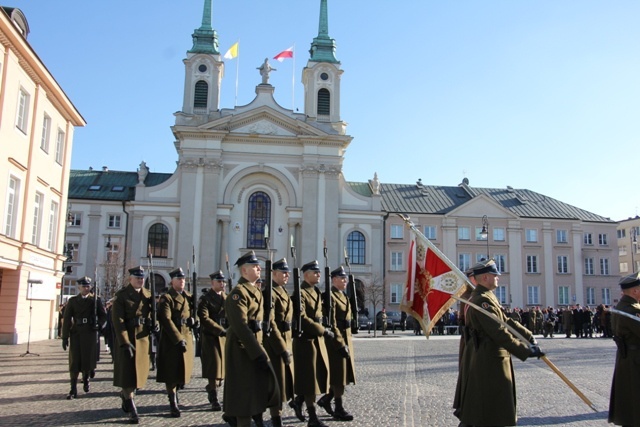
pixel 628 242
pixel 37 122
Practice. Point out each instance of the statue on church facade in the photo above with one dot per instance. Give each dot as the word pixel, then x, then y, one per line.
pixel 265 69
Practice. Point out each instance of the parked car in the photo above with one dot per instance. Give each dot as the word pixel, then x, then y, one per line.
pixel 393 320
pixel 364 322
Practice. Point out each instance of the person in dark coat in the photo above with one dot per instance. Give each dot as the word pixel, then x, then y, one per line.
pixel 213 324
pixel 487 386
pixel 81 327
pixel 250 383
pixel 131 316
pixel 311 361
pixel 625 390
pixel 278 343
pixel 340 349
pixel 175 349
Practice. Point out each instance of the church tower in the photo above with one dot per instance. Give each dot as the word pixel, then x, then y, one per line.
pixel 203 71
pixel 321 77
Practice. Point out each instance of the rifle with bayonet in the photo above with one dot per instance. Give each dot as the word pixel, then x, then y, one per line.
pixel 153 327
pixel 267 285
pixel 297 301
pixel 327 305
pixel 194 303
pixel 229 279
pixel 96 324
pixel 351 293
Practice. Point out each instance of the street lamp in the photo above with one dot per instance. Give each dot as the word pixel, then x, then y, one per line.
pixel 484 233
pixel 634 244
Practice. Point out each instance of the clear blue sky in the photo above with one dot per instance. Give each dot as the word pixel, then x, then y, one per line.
pixel 543 95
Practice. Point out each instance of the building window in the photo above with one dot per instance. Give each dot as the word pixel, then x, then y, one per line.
pixel 602 239
pixel 591 296
pixel 397 231
pixel 463 233
pixel 69 285
pixel 501 263
pixel 159 240
pixel 498 235
pixel 396 293
pixel 259 216
pixel 324 102
pixel 430 232
pixel 396 261
pixel 200 94
pixel 46 130
pixel 37 219
pixel 501 294
pixel 588 239
pixel 604 266
pixel 561 236
pixel 113 252
pixel 464 261
pixel 563 295
pixel 75 219
pixel 531 235
pixel 356 247
pixel 481 257
pixel 73 249
pixel 23 111
pixel 588 266
pixel 60 147
pixel 11 210
pixel 532 263
pixel 53 226
pixel 606 296
pixel 533 295
pixel 563 264
pixel 114 221
pixel 624 267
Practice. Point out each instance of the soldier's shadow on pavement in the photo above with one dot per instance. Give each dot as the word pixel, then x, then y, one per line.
pixel 560 420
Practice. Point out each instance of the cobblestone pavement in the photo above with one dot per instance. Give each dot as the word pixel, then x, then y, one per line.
pixel 402 380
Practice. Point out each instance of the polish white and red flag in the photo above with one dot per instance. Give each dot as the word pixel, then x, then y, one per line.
pixel 287 53
pixel 431 281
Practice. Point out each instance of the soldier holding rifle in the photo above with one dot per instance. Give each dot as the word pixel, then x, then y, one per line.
pixel 130 313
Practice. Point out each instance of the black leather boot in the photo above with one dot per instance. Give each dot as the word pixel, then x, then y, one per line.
pixel 313 419
pixel 85 383
pixel 325 403
pixel 276 421
pixel 296 405
pixel 132 410
pixel 73 393
pixel 123 405
pixel 340 414
pixel 257 419
pixel 173 403
pixel 213 399
pixel 232 421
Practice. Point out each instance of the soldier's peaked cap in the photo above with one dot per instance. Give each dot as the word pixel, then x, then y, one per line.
pixel 280 265
pixel 248 258
pixel 486 267
pixel 84 281
pixel 339 272
pixel 176 273
pixel 313 266
pixel 478 265
pixel 630 281
pixel 136 271
pixel 218 275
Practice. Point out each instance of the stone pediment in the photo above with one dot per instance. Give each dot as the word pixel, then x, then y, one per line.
pixel 262 121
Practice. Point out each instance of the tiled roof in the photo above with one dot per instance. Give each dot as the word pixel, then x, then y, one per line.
pixel 434 199
pixel 109 185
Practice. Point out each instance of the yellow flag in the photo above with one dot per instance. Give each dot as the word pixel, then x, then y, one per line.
pixel 232 52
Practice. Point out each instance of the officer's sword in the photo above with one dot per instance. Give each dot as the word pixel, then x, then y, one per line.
pixel 622 313
pixel 515 332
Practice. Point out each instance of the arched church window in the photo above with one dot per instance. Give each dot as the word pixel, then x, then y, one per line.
pixel 159 240
pixel 200 95
pixel 259 215
pixel 324 102
pixel 356 247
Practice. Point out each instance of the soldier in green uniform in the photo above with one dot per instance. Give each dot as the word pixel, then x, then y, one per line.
pixel 279 342
pixel 625 390
pixel 311 362
pixel 176 349
pixel 340 349
pixel 213 325
pixel 130 314
pixel 487 385
pixel 250 383
pixel 81 327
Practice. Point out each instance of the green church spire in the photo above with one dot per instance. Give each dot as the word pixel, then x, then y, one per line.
pixel 323 48
pixel 205 38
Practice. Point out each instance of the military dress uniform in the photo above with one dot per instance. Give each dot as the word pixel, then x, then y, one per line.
pixel 81 327
pixel 213 324
pixel 279 340
pixel 486 384
pixel 625 391
pixel 250 383
pixel 176 348
pixel 130 314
